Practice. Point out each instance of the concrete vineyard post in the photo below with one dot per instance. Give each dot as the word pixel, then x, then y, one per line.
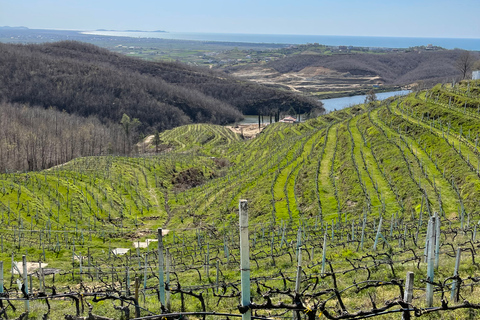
pixel 167 280
pixel 408 294
pixel 298 280
pixel 378 234
pixel 324 253
pixel 207 262
pixel 245 258
pixel 161 283
pixel 437 240
pixel 271 250
pixel 137 306
pixel 217 276
pixel 145 274
pixel 127 282
pixel 1 277
pixel 455 288
pixel 25 282
pixel 41 277
pixel 431 261
pixel 363 233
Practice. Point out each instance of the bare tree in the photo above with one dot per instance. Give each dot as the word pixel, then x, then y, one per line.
pixel 464 63
pixel 156 140
pixel 128 125
pixel 371 97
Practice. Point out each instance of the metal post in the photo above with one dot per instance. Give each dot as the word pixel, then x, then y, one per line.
pixel 161 283
pixel 245 258
pixel 453 295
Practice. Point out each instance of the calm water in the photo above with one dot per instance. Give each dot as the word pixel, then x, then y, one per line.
pixel 340 103
pixel 383 42
pixel 334 104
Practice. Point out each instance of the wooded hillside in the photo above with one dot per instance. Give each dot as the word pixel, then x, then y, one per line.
pixel 393 68
pixel 86 80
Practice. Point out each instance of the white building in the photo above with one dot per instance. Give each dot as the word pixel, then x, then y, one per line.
pixel 476 75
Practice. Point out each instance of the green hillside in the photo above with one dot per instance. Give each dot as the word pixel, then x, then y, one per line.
pixel 402 159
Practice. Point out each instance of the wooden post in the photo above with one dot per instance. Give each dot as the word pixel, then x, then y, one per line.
pixel 161 283
pixel 25 282
pixel 245 258
pixel 431 261
pixel 408 293
pixel 455 288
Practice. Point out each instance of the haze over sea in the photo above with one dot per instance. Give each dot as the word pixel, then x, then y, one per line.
pixel 382 42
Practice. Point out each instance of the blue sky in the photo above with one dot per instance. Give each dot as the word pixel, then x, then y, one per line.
pixel 407 18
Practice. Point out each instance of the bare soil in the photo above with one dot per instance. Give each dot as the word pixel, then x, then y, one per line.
pixel 249 131
pixel 309 79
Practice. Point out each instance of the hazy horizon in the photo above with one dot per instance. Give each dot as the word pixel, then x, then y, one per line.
pixel 370 18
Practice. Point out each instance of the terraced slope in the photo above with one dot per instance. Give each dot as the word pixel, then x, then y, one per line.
pixel 388 158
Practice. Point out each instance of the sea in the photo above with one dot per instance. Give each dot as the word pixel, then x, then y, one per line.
pixel 356 41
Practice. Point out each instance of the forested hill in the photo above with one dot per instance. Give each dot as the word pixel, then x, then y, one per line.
pixel 86 80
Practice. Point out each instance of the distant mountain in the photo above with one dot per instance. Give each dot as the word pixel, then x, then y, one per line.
pixel 87 80
pixel 130 30
pixel 144 31
pixel 14 28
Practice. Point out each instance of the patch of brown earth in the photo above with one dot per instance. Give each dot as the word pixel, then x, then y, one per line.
pixel 248 131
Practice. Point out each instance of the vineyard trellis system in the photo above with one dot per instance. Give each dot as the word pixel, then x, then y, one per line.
pixel 313 292
pixel 370 211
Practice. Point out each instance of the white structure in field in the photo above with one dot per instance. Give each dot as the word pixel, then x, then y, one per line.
pixel 476 75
